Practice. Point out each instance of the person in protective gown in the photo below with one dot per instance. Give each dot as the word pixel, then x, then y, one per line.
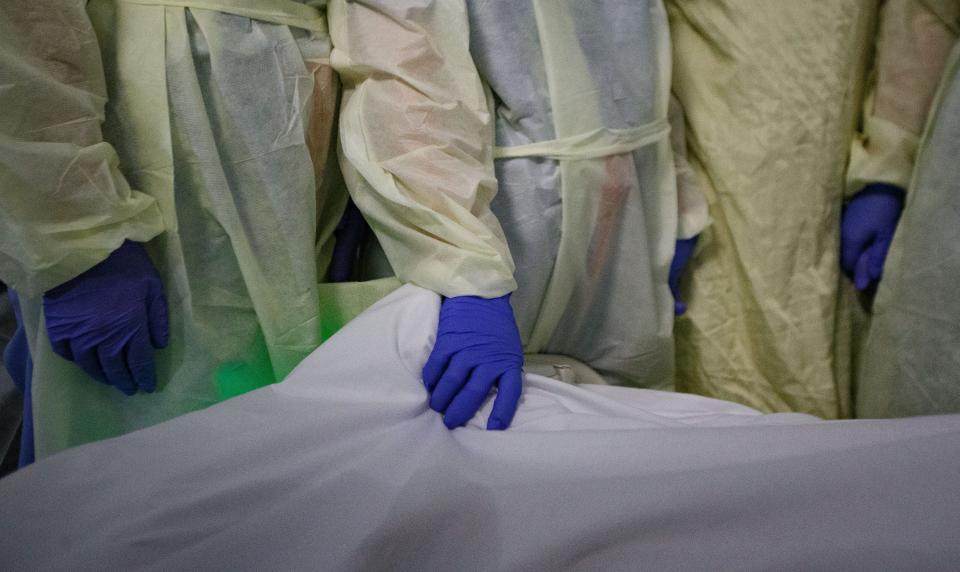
pixel 416 146
pixel 588 194
pixel 162 155
pixel 910 364
pixel 773 95
pixel 202 130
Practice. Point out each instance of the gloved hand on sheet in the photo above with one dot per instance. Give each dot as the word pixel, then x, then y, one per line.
pixel 109 319
pixel 869 221
pixel 478 347
pixel 681 257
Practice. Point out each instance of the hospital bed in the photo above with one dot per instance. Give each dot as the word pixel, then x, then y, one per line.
pixel 343 467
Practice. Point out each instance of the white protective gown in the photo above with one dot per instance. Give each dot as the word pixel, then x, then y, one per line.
pixel 587 197
pixel 588 192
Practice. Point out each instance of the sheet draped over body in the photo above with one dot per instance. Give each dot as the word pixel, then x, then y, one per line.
pixel 343 467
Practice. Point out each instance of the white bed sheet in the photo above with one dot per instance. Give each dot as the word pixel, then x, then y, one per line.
pixel 343 467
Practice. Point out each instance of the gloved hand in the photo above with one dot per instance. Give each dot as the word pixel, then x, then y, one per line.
pixel 681 257
pixel 478 346
pixel 108 320
pixel 869 221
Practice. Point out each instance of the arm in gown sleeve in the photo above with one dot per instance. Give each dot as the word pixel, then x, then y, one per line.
pixel 914 41
pixel 694 217
pixel 416 142
pixel 64 204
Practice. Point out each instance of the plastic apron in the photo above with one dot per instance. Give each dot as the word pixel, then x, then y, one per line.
pixel 911 362
pixel 587 192
pixel 221 112
pixel 771 92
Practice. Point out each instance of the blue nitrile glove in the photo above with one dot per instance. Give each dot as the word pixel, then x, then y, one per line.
pixel 20 367
pixel 16 356
pixel 869 221
pixel 478 347
pixel 108 319
pixel 681 257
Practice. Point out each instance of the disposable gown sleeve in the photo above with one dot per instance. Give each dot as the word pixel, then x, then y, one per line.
pixel 693 214
pixel 416 142
pixel 913 43
pixel 64 205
